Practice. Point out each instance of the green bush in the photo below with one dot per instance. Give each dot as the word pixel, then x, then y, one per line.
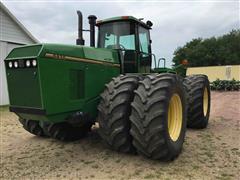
pixel 225 85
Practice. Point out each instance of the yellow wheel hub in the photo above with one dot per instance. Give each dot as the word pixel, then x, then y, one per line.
pixel 205 102
pixel 175 117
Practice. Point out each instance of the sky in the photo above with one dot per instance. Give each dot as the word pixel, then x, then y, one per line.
pixel 175 22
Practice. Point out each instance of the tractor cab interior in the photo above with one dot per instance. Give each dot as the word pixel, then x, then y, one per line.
pixel 131 40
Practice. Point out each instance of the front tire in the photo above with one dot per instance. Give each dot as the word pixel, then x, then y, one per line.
pixel 32 127
pixel 114 110
pixel 66 132
pixel 159 117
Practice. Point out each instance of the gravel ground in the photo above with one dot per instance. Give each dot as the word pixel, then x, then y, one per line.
pixel 212 153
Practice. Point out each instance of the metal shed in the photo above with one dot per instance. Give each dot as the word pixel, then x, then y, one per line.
pixel 12 34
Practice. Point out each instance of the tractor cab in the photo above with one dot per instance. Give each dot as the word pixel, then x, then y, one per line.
pixel 131 37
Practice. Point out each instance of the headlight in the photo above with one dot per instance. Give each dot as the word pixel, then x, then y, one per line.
pixel 28 63
pixel 15 64
pixel 10 64
pixel 34 62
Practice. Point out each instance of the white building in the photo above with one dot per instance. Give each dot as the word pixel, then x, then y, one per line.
pixel 12 34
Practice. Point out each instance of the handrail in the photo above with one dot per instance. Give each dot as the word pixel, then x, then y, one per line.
pixel 164 61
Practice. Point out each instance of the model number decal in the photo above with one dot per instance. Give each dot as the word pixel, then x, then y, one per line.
pixel 70 58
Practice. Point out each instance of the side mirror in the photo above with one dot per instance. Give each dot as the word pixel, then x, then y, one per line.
pixel 149 23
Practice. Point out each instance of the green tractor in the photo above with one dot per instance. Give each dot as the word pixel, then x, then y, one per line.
pixel 60 91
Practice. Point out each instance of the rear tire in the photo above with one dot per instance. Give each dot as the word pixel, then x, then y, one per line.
pixel 198 100
pixel 114 110
pixel 66 132
pixel 32 127
pixel 153 135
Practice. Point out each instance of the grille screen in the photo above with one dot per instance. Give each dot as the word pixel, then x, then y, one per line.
pixel 76 84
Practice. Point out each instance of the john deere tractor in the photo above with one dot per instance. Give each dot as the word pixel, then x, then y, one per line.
pixel 60 91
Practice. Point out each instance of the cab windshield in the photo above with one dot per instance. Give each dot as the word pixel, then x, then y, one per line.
pixel 117 35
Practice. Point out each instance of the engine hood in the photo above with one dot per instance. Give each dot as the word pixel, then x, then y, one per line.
pixel 64 51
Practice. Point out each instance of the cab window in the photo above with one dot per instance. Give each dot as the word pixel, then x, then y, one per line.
pixel 128 41
pixel 117 35
pixel 143 40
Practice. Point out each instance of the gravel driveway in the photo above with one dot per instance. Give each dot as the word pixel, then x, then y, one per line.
pixel 212 153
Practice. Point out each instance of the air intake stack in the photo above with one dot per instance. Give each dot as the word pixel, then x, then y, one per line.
pixel 92 23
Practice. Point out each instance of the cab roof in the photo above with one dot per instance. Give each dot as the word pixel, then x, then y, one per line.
pixel 123 18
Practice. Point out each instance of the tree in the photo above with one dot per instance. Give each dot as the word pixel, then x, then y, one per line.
pixel 223 50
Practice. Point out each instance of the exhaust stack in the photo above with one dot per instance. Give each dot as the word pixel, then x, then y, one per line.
pixel 92 23
pixel 80 40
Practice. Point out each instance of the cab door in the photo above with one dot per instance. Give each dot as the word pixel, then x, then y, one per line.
pixel 145 56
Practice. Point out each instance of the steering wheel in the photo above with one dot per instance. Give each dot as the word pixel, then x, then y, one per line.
pixel 122 47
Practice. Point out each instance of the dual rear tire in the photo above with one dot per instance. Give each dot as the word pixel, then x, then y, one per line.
pixel 149 115
pixel 140 115
pixel 159 117
pixel 198 97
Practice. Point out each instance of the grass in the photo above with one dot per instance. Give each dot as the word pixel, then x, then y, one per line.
pixel 209 154
pixel 225 176
pixel 4 108
pixel 95 166
pixel 87 162
pixel 195 167
pixel 137 172
pixel 149 176
pixel 118 161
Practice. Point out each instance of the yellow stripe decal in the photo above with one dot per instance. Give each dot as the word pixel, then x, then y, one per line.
pixel 70 58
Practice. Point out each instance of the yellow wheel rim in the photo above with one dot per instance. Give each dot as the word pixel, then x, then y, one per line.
pixel 175 117
pixel 205 102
